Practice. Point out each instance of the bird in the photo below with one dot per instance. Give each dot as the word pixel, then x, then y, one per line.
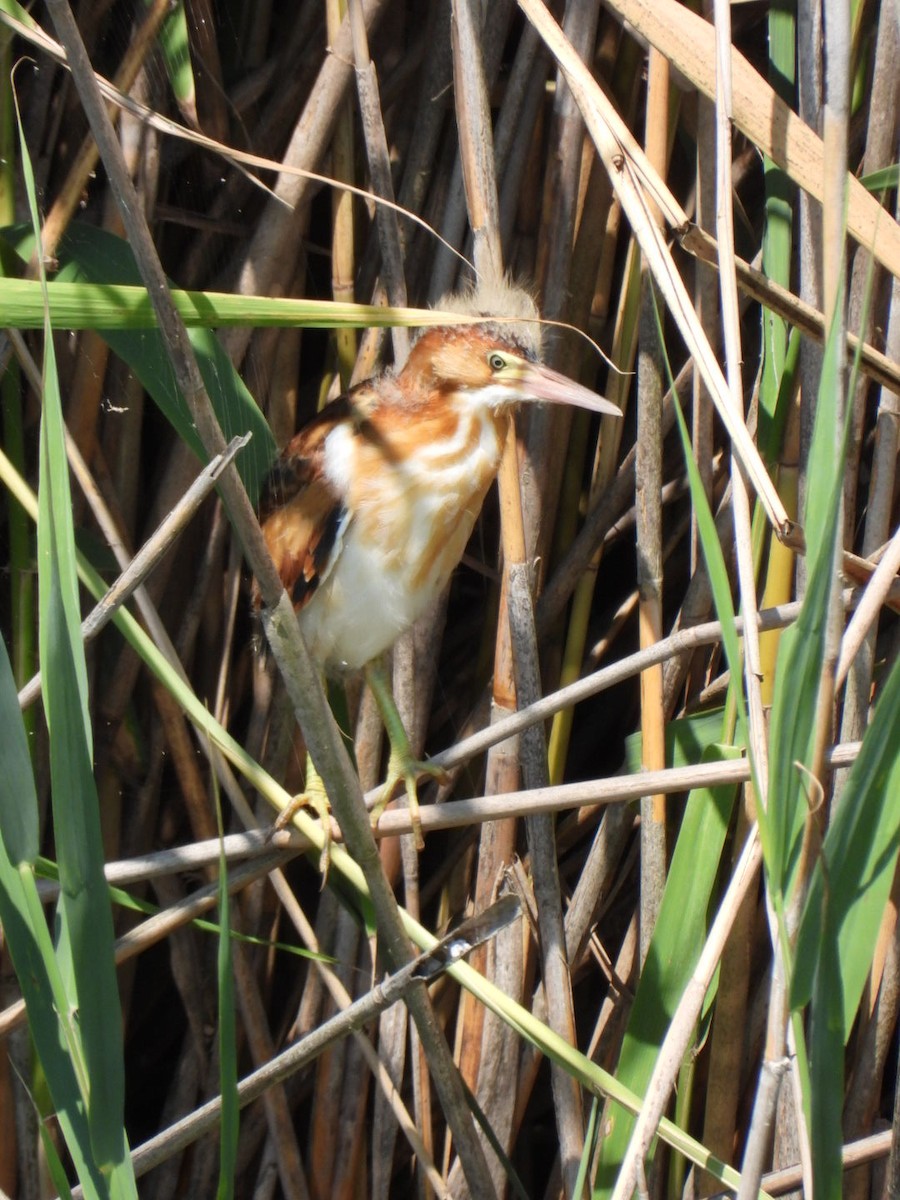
pixel 368 509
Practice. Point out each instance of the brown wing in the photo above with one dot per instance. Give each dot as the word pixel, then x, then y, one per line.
pixel 303 536
pixel 303 516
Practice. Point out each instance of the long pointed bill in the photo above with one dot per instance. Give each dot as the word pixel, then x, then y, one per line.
pixel 543 383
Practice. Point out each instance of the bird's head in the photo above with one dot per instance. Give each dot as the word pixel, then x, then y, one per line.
pixel 496 361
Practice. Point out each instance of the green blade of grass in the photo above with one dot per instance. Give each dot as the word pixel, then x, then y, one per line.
pixel 852 881
pixel 778 232
pixel 86 935
pixel 90 301
pixel 824 1101
pixel 802 648
pixel 45 869
pixel 687 739
pixel 841 923
pixel 678 937
pixel 721 591
pixel 715 565
pixel 55 1168
pixel 883 180
pixel 18 800
pixel 799 685
pixel 84 914
pixel 175 45
pixel 28 939
pixel 82 303
pixel 16 10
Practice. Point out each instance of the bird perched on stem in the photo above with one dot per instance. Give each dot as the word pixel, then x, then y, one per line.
pixel 369 508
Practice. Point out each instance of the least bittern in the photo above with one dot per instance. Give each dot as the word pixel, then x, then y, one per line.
pixel 370 506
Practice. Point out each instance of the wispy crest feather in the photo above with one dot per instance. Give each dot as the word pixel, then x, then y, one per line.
pixel 518 317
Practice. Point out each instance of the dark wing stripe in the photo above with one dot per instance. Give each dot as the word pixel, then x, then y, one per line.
pixel 322 553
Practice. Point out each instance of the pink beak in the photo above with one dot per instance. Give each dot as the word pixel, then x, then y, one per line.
pixel 543 383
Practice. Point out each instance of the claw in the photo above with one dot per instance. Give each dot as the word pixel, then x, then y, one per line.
pixel 403 768
pixel 316 798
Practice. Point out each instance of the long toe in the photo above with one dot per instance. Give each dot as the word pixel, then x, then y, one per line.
pixel 404 769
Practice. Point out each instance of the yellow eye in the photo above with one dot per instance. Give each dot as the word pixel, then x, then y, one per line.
pixel 496 361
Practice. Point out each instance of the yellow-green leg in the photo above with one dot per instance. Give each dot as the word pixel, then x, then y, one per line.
pixel 403 766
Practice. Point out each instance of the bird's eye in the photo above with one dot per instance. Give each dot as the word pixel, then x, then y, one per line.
pixel 496 361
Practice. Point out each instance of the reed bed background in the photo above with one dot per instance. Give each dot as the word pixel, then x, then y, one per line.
pixel 701 817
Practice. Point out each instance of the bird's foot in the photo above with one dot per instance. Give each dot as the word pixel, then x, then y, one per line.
pixel 404 768
pixel 316 798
